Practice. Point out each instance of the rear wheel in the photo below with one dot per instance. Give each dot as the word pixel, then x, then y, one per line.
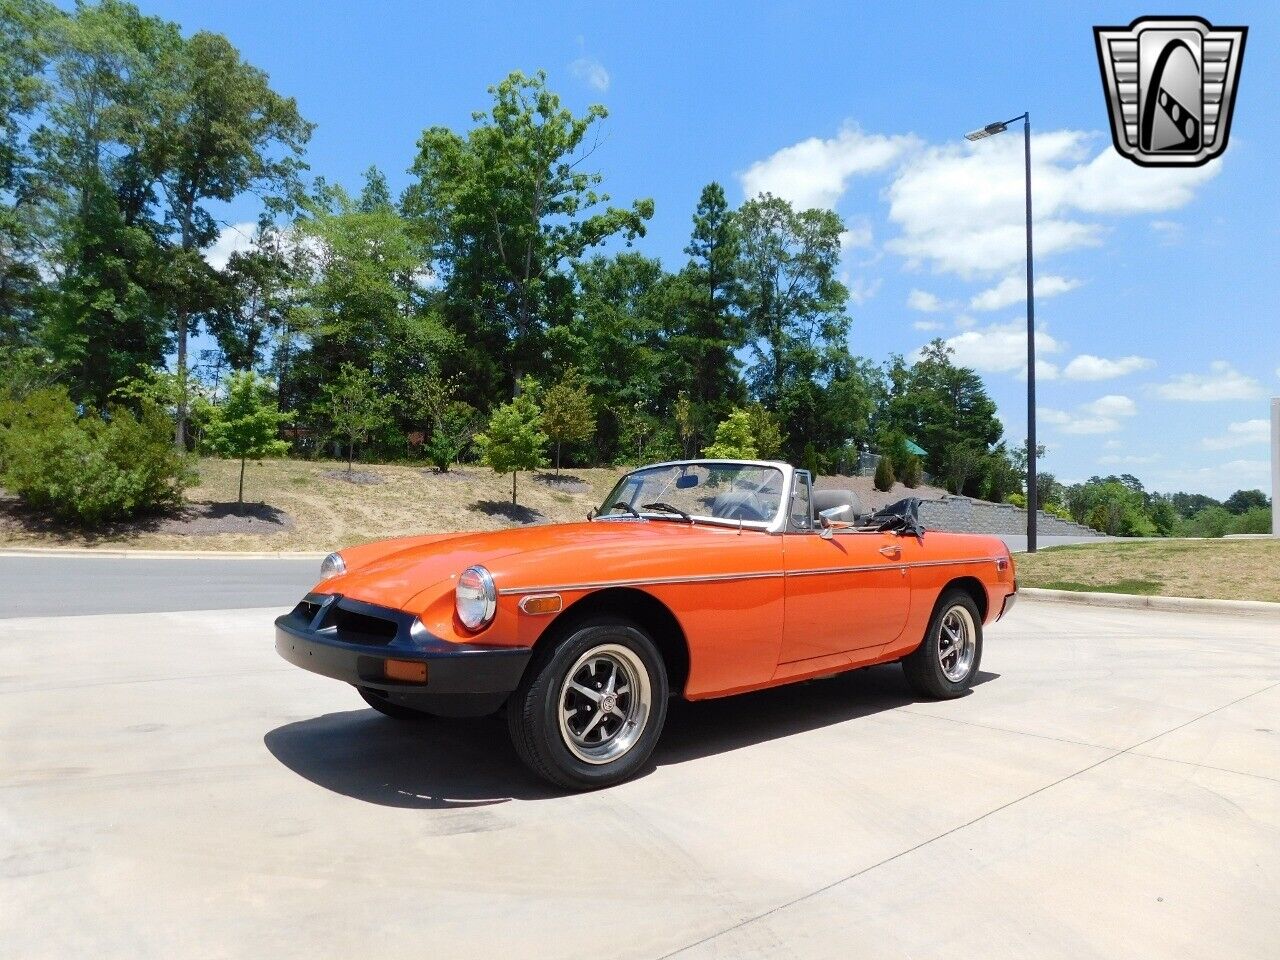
pixel 384 706
pixel 589 710
pixel 946 662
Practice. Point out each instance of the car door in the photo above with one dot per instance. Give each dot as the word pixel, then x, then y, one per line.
pixel 849 594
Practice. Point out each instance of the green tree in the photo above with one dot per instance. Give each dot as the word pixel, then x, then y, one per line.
pixel 360 306
pixel 568 415
pixel 792 301
pixel 256 298
pixel 246 425
pixel 1242 501
pixel 884 478
pixel 514 439
pixel 766 434
pixel 218 130
pixel 510 207
pixel 705 327
pixel 451 434
pixel 355 407
pixel 940 406
pixel 961 462
pixel 735 439
pixel 912 472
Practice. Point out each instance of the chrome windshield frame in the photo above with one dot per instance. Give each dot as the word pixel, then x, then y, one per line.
pixel 777 525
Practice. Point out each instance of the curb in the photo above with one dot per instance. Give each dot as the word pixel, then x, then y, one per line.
pixel 1129 601
pixel 120 554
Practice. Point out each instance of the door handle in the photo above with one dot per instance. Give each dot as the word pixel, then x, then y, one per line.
pixel 892 551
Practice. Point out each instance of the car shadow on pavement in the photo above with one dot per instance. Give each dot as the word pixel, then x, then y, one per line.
pixel 443 764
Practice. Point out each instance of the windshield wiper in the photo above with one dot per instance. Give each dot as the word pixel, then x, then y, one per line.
pixel 664 507
pixel 627 507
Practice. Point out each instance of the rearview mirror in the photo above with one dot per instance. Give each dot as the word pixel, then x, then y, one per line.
pixel 826 516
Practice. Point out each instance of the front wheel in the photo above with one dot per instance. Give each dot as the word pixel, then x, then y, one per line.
pixel 946 662
pixel 589 710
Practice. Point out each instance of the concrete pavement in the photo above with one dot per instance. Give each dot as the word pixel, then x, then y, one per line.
pixel 169 788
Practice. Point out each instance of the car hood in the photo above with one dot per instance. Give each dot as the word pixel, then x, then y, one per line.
pixel 393 576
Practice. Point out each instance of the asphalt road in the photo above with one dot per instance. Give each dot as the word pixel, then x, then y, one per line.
pixel 169 788
pixel 50 586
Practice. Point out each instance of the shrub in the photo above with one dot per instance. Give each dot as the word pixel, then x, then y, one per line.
pixel 90 469
pixel 247 424
pixel 912 472
pixel 734 439
pixel 514 440
pixel 884 474
pixel 1017 499
pixel 1253 520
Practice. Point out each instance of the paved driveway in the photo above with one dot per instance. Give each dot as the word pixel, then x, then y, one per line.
pixel 168 788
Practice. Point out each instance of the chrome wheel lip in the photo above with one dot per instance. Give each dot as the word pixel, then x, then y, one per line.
pixel 957 643
pixel 627 713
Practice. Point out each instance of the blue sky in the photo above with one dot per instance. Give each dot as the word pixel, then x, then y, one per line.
pixel 1158 306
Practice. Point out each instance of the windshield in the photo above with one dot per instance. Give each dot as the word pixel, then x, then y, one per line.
pixel 731 492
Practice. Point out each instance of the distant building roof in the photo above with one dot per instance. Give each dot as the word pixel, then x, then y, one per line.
pixel 919 451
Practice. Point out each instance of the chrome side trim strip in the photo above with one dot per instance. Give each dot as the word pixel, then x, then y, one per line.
pixel 642 581
pixel 724 577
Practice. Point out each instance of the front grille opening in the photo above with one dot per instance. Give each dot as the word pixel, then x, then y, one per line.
pixel 362 628
pixel 306 610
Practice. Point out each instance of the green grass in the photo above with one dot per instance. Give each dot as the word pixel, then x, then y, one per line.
pixel 1215 569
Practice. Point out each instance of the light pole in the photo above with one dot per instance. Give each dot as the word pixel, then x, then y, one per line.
pixel 1033 500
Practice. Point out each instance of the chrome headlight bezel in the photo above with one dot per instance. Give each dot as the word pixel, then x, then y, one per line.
pixel 475 598
pixel 331 566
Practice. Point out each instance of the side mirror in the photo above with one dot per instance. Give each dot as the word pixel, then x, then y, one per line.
pixel 826 516
pixel 591 514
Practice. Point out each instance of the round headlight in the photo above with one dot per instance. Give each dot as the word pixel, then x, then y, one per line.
pixel 331 566
pixel 476 597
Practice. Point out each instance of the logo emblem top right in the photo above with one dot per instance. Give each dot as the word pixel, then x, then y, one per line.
pixel 1170 84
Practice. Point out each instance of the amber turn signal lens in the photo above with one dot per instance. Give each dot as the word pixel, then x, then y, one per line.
pixel 541 603
pixel 409 671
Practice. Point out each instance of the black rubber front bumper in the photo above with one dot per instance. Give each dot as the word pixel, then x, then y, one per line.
pixel 351 640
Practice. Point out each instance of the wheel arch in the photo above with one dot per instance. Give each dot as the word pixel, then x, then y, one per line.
pixel 972 586
pixel 645 610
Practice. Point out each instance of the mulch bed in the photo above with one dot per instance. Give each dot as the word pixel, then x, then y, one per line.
pixel 565 482
pixel 191 519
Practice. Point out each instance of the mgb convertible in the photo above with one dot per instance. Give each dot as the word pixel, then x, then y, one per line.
pixel 695 579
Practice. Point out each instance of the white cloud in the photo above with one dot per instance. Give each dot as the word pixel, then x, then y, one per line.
pixel 1098 416
pixel 861 290
pixel 1002 348
pixel 1222 382
pixel 1112 405
pixel 816 172
pixel 1245 433
pixel 1088 367
pixel 961 207
pixel 1012 290
pixel 1217 481
pixel 591 72
pixel 927 325
pixel 1129 460
pixel 233 238
pixel 858 236
pixel 925 302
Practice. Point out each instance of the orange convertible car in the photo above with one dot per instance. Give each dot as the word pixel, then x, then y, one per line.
pixel 696 579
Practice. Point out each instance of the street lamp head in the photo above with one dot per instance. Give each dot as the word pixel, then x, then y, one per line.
pixel 990 130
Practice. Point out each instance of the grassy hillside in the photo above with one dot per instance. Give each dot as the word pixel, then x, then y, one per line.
pixel 306 505
pixel 1219 569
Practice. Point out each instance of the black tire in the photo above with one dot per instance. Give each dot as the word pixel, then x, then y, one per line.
pixel 534 710
pixel 388 709
pixel 924 667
